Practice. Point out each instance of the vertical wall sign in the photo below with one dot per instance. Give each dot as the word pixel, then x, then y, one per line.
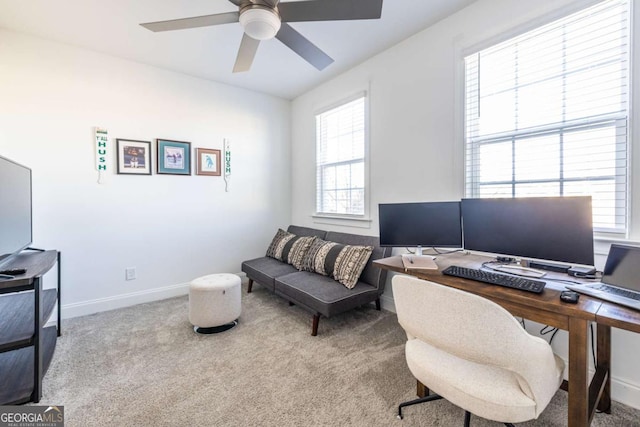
pixel 102 140
pixel 227 164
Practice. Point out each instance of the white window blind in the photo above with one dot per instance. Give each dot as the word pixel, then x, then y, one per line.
pixel 340 160
pixel 546 113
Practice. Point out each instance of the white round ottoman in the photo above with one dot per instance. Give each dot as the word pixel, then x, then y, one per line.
pixel 214 303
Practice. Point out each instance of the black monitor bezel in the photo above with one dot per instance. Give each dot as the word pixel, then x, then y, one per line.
pixel 498 226
pixel 5 258
pixel 418 242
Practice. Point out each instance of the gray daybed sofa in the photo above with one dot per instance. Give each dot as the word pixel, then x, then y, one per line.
pixel 321 295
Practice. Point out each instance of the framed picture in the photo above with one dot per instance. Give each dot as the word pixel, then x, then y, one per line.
pixel 134 157
pixel 174 157
pixel 208 162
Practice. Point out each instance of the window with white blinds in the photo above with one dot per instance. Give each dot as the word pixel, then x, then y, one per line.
pixel 340 159
pixel 546 113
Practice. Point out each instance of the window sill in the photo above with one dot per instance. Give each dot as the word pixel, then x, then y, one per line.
pixel 601 243
pixel 347 221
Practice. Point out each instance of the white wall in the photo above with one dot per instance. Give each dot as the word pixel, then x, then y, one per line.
pixel 416 147
pixel 171 228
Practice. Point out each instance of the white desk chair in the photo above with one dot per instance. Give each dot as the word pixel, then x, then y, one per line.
pixel 474 353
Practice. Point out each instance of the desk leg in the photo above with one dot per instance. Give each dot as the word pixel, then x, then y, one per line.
pixel 421 389
pixel 604 362
pixel 578 412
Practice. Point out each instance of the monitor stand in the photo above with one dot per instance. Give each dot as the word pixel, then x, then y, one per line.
pixel 418 251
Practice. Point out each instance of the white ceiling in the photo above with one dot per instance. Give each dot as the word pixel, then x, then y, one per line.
pixel 111 27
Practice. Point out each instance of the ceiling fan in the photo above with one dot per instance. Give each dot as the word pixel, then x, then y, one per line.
pixel 266 19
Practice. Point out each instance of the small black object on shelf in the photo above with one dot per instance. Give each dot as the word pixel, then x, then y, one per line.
pixel 14 272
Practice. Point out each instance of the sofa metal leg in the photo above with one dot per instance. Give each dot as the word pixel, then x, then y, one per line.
pixel 467 418
pixel 378 304
pixel 250 286
pixel 314 327
pixel 291 303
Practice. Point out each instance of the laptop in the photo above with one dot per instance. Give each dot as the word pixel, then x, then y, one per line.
pixel 620 281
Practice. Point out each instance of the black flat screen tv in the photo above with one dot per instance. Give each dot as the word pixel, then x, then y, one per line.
pixel 15 209
pixel 544 228
pixel 428 224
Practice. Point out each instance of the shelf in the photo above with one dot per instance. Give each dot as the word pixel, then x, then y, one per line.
pixel 36 263
pixel 16 369
pixel 17 317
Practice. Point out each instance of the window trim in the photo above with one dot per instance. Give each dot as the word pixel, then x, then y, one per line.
pixel 355 220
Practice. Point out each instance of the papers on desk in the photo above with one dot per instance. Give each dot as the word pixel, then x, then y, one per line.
pixel 413 262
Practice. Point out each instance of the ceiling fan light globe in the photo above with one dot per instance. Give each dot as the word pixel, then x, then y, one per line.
pixel 260 24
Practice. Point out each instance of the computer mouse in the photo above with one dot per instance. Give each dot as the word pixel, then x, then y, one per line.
pixel 569 296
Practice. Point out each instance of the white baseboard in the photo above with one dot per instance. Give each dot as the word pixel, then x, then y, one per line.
pixel 387 303
pixel 123 300
pixel 85 308
pixel 626 393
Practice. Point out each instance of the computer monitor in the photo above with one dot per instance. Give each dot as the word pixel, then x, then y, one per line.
pixel 15 209
pixel 428 224
pixel 543 228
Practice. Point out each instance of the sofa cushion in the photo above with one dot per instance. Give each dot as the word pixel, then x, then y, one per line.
pixel 278 243
pixel 264 270
pixel 322 294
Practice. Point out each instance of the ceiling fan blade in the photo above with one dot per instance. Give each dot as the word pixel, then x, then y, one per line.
pixel 236 2
pixel 303 47
pixel 330 10
pixel 246 53
pixel 195 22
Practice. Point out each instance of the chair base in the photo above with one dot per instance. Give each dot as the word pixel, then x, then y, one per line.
pixel 432 397
pixel 429 398
pixel 215 329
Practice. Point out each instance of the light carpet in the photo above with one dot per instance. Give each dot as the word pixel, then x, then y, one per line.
pixel 144 366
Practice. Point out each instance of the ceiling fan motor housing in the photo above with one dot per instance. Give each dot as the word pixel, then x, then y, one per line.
pixel 260 22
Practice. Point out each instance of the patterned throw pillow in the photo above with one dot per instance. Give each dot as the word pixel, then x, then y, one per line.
pixel 308 262
pixel 296 248
pixel 349 264
pixel 277 244
pixel 342 262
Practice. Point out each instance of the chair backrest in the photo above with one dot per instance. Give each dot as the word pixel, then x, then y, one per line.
pixel 473 328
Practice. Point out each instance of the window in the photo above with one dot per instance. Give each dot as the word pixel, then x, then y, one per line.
pixel 340 161
pixel 546 113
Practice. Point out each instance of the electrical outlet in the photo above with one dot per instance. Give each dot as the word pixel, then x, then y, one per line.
pixel 130 273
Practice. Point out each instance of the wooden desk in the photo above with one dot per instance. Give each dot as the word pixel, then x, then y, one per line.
pixel 546 308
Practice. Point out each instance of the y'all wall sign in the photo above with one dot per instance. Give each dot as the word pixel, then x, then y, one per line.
pixel 102 139
pixel 227 164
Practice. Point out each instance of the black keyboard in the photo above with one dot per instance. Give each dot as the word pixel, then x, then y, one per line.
pixel 521 283
pixel 620 292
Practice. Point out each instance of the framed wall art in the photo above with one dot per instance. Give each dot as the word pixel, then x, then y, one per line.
pixel 174 157
pixel 208 162
pixel 134 157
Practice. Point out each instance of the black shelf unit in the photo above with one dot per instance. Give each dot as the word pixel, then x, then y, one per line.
pixel 26 345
